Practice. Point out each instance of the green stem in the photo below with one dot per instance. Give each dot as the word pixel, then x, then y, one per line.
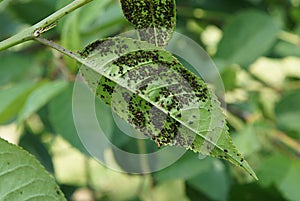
pixel 286 140
pixel 234 121
pixel 258 79
pixel 144 160
pixel 289 37
pixel 59 48
pixel 42 26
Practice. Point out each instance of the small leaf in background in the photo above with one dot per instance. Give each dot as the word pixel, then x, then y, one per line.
pixel 288 112
pixel 289 185
pixel 13 99
pixel 70 38
pixel 32 143
pixel 229 78
pixel 252 191
pixel 150 89
pixel 39 97
pixel 269 174
pixel 179 169
pixel 165 191
pixel 89 12
pixel 32 11
pixel 13 67
pixel 155 19
pixel 247 139
pixel 282 172
pixel 107 20
pixel 23 178
pixel 247 36
pixel 285 49
pixel 68 190
pixel 8 27
pixel 213 181
pixel 194 194
pixel 219 6
pixel 61 118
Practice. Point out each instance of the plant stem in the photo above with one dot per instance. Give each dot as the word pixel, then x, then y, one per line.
pixel 144 160
pixel 258 79
pixel 290 37
pixel 235 122
pixel 42 26
pixel 288 141
pixel 59 48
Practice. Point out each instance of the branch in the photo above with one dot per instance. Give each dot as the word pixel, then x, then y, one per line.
pixel 290 37
pixel 42 26
pixel 288 141
pixel 59 48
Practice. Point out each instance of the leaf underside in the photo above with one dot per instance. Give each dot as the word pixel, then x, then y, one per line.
pixel 150 89
pixel 154 19
pixel 23 178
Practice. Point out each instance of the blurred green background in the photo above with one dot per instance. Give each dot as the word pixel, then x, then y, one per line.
pixel 256 47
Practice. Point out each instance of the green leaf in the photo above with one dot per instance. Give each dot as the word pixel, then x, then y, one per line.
pixel 70 38
pixel 39 97
pixel 270 175
pixel 169 190
pixel 213 182
pixel 61 118
pixel 286 49
pixel 23 178
pixel 247 36
pixel 252 191
pixel 289 186
pixel 33 145
pixel 13 67
pixel 32 11
pixel 8 25
pixel 283 172
pixel 91 14
pixel 149 89
pixel 68 190
pixel 154 19
pixel 13 99
pixel 178 169
pixel 194 194
pixel 247 139
pixel 288 112
pixel 229 78
pixel 105 21
pixel 219 6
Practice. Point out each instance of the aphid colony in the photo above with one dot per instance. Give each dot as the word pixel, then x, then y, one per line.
pixel 154 20
pixel 158 90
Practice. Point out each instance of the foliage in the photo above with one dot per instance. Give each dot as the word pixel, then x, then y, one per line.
pixel 258 59
pixel 15 185
pixel 183 112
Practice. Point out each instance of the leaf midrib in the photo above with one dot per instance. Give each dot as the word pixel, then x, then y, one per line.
pixel 153 22
pixel 121 83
